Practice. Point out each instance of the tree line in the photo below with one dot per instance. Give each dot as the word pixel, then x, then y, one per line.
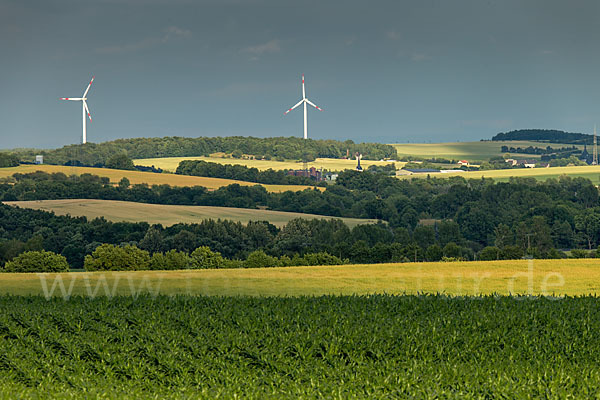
pixel 240 173
pixel 548 150
pixel 270 148
pixel 128 257
pixel 545 135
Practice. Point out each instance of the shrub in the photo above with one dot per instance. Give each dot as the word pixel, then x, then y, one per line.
pixel 452 259
pixel 124 183
pixel 579 253
pixel 452 250
pixel 120 161
pixel 171 260
pixel 557 254
pixel 285 261
pixel 490 253
pixel 108 257
pixel 296 260
pixel 512 253
pixel 37 261
pixel 237 154
pixel 259 259
pixel 203 258
pixel 434 253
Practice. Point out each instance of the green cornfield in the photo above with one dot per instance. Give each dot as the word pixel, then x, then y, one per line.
pixel 339 347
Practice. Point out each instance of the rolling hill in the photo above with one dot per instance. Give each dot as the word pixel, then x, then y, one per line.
pixel 138 177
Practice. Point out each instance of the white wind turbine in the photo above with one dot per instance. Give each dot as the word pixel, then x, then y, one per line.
pixel 305 101
pixel 84 107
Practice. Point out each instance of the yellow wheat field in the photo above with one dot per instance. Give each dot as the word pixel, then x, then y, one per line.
pixel 166 214
pixel 138 177
pixel 536 277
pixel 332 164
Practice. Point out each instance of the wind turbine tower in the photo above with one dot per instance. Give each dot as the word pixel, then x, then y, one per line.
pixel 84 108
pixel 595 151
pixel 304 101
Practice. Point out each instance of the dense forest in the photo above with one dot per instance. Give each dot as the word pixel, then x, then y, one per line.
pixel 270 148
pixel 240 173
pixel 424 218
pixel 24 230
pixel 545 135
pixel 8 160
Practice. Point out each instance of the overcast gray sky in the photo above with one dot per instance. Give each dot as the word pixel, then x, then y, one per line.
pixel 388 71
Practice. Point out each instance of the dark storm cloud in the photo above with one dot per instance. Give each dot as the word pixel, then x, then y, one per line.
pixel 169 33
pixel 383 70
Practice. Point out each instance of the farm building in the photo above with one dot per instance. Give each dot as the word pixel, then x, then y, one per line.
pixel 312 172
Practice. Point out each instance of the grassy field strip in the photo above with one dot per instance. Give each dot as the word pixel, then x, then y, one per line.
pixel 591 172
pixel 471 151
pixel 538 277
pixel 166 215
pixel 334 164
pixel 137 177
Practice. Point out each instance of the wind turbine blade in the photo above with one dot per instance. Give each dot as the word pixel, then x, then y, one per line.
pixel 303 91
pixel 300 102
pixel 314 105
pixel 87 110
pixel 88 88
pixel 71 98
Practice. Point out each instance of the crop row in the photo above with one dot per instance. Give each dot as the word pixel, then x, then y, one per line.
pixel 308 347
